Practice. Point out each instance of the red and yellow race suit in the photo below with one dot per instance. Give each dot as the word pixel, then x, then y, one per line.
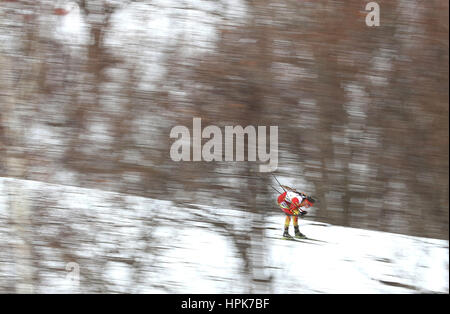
pixel 289 203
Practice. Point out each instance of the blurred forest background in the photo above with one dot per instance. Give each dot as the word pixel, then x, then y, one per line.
pixel 90 89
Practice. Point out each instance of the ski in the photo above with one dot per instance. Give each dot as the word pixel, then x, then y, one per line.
pixel 316 240
pixel 304 240
pixel 295 240
pixel 288 239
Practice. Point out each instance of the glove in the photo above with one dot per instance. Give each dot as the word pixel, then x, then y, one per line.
pixel 303 213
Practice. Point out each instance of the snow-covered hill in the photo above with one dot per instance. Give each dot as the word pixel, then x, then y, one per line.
pixel 124 243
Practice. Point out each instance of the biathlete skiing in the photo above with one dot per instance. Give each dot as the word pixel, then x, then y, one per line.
pixel 294 204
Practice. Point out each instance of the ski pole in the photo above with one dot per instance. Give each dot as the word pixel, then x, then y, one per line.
pixel 271 186
pixel 278 182
pixel 274 189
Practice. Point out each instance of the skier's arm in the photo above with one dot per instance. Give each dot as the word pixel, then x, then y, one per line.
pixel 295 207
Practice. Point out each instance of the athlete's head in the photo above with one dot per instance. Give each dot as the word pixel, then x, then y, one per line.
pixel 308 201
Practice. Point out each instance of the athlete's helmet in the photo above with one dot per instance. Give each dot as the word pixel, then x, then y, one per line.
pixel 310 200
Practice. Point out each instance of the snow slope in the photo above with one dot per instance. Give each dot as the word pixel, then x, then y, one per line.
pixel 133 244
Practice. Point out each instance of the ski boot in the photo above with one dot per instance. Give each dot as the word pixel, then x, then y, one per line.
pixel 298 234
pixel 286 235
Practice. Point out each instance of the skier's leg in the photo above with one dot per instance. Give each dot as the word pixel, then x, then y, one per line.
pixel 298 234
pixel 287 222
pixel 285 208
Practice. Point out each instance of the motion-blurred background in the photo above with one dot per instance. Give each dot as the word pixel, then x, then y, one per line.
pixel 90 89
